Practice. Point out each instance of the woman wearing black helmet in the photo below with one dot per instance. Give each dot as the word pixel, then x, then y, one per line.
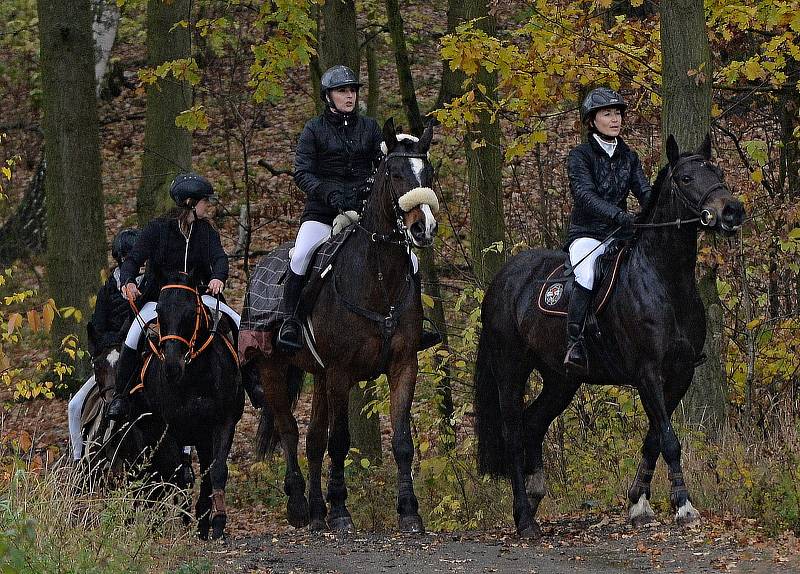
pixel 111 313
pixel 602 172
pixel 182 240
pixel 337 153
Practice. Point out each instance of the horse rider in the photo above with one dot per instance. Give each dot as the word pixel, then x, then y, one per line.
pixel 181 240
pixel 335 160
pixel 111 314
pixel 602 172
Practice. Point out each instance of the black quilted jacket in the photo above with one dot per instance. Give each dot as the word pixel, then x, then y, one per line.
pixel 163 247
pixel 334 152
pixel 111 313
pixel 600 185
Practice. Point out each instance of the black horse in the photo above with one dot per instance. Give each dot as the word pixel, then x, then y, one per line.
pixel 653 329
pixel 135 452
pixel 367 319
pixel 191 381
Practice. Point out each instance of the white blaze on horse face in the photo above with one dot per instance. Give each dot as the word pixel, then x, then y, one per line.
pixel 430 220
pixel 112 358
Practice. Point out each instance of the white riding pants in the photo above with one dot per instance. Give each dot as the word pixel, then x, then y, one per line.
pixel 148 312
pixel 312 234
pixel 74 409
pixel 590 249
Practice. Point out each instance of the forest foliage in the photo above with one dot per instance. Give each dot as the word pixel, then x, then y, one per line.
pixel 249 57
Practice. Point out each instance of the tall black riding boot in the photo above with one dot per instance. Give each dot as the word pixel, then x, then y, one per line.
pixel 428 338
pixel 127 366
pixel 251 381
pixel 290 335
pixel 579 302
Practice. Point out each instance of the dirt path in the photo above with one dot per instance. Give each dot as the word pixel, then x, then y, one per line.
pixel 604 547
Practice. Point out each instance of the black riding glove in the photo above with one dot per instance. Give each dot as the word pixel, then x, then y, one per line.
pixel 342 201
pixel 625 220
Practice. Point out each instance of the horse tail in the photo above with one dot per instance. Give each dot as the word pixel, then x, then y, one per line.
pixel 267 436
pixel 488 416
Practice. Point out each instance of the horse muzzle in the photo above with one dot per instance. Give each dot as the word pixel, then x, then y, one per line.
pixel 728 219
pixel 422 232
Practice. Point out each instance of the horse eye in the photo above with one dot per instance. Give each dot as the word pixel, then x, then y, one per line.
pixel 686 179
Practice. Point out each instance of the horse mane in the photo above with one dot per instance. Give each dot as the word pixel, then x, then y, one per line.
pixel 658 184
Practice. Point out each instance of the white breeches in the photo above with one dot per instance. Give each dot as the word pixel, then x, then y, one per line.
pixel 148 312
pixel 578 249
pixel 312 234
pixel 74 409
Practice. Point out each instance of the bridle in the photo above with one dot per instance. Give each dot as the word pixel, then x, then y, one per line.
pixel 202 322
pixel 706 217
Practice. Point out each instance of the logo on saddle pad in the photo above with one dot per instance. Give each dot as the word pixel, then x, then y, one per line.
pixel 553 294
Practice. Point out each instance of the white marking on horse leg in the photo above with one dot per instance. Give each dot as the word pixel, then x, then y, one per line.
pixel 641 512
pixel 687 514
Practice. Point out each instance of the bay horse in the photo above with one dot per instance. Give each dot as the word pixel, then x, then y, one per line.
pixel 366 320
pixel 191 380
pixel 653 328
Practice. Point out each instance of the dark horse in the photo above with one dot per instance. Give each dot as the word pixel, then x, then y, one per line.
pixel 653 329
pixel 367 320
pixel 114 452
pixel 191 380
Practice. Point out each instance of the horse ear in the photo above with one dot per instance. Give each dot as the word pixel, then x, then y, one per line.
pixel 389 136
pixel 672 150
pixel 425 140
pixel 705 147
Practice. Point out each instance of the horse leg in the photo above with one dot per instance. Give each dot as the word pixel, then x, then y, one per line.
pixel 294 485
pixel 685 513
pixel 338 447
pixel 402 381
pixel 222 442
pixel 202 508
pixel 315 450
pixel 639 509
pixel 557 393
pixel 654 401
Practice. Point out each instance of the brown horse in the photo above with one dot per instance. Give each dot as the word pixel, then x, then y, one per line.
pixel 366 320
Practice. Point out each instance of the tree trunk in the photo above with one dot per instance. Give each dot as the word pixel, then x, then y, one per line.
pixel 74 198
pixel 373 78
pixel 338 44
pixel 105 20
pixel 484 165
pixel 167 148
pixel 450 86
pixel 687 116
pixel 406 80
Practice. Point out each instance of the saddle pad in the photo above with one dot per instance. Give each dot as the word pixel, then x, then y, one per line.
pixel 263 303
pixel 554 295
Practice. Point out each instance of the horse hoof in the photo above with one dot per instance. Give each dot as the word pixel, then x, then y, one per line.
pixel 641 513
pixel 341 524
pixel 411 524
pixel 687 514
pixel 317 525
pixel 218 526
pixel 530 532
pixel 297 511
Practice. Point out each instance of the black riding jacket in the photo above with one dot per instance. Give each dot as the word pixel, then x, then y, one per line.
pixel 335 152
pixel 163 247
pixel 600 185
pixel 111 313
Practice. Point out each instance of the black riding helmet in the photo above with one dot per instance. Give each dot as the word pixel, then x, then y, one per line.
pixel 598 99
pixel 190 186
pixel 337 77
pixel 123 243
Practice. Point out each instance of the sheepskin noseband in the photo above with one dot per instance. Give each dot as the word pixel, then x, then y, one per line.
pixel 419 196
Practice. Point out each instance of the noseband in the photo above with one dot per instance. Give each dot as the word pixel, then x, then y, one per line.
pixel 706 217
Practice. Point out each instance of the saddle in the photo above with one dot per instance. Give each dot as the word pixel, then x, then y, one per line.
pixel 555 292
pixel 263 305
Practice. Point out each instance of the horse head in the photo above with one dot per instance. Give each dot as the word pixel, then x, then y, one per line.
pixel 405 177
pixel 179 310
pixel 700 185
